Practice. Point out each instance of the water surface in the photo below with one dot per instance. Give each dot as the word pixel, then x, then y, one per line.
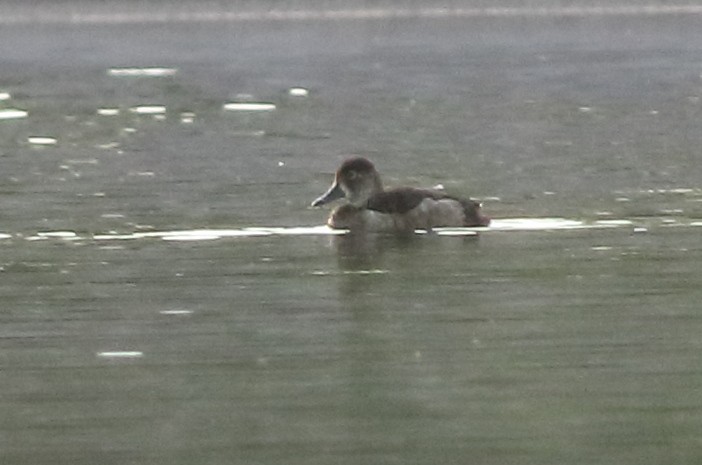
pixel 169 296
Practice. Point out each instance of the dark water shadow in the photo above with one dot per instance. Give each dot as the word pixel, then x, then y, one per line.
pixel 367 260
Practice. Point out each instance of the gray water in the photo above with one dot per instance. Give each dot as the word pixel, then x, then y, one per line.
pixel 169 296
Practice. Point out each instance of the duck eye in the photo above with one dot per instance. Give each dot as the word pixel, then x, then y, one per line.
pixel 353 175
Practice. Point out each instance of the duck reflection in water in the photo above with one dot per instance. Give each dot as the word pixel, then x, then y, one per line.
pixel 371 208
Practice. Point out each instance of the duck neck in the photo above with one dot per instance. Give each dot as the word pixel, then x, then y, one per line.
pixel 359 198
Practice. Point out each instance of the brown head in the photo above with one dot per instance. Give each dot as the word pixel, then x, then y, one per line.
pixel 356 179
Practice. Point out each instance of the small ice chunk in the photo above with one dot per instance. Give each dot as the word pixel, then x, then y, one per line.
pixel 121 354
pixel 148 109
pixel 249 106
pixel 58 234
pixel 298 92
pixel 141 72
pixel 42 140
pixel 176 312
pixel 13 113
pixel 108 111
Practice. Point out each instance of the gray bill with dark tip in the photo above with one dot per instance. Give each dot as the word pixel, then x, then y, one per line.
pixel 334 192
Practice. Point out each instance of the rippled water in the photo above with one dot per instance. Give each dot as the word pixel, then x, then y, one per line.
pixel 169 296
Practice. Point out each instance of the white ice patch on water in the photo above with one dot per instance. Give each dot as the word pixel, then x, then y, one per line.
pixel 213 234
pixel 549 224
pixel 298 92
pixel 176 312
pixel 535 224
pixel 64 235
pixel 42 140
pixel 299 231
pixel 141 72
pixel 512 224
pixel 121 354
pixel 614 222
pixel 356 272
pixel 455 232
pixel 249 106
pixel 148 109
pixel 199 235
pixel 108 111
pixel 13 113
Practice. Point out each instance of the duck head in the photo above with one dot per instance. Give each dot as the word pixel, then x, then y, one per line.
pixel 356 180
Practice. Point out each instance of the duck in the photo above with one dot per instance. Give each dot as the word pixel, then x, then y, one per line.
pixel 370 207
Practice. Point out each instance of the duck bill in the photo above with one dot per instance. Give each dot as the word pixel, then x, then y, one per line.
pixel 334 192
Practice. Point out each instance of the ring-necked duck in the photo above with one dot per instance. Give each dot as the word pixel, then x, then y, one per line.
pixel 372 208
